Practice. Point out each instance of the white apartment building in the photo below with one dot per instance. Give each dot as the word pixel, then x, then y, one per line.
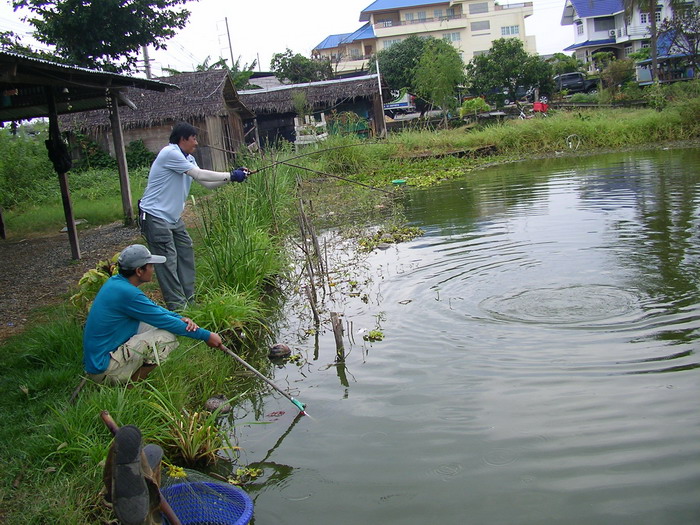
pixel 602 25
pixel 469 25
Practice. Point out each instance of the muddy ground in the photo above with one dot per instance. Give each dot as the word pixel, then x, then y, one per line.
pixel 39 271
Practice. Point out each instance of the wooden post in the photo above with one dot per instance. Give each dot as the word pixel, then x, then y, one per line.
pixel 338 333
pixel 55 135
pixel 120 153
pixel 2 226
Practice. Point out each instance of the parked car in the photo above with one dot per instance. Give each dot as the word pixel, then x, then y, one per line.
pixel 575 83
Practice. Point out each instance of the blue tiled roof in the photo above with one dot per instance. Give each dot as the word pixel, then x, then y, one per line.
pixel 332 41
pixel 364 33
pixel 384 5
pixel 590 43
pixel 589 8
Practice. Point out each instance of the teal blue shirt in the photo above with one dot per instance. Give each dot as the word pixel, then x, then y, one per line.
pixel 115 316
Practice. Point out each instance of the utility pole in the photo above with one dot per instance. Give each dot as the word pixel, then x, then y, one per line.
pixel 146 62
pixel 230 48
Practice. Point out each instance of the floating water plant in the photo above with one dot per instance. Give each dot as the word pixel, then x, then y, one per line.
pixel 373 335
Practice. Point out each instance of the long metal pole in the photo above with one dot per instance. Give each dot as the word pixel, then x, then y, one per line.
pixel 230 48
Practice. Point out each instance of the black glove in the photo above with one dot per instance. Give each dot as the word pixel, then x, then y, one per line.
pixel 239 174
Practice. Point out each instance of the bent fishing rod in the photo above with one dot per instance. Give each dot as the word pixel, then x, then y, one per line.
pixel 295 402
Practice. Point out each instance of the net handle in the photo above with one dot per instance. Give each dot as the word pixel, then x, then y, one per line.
pixel 165 507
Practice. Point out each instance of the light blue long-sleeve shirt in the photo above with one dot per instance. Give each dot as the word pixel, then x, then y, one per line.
pixel 168 184
pixel 115 316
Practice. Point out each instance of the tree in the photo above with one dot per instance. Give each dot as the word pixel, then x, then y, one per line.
pixel 439 73
pixel 683 33
pixel 506 66
pixel 296 68
pixel 649 7
pixel 562 63
pixel 105 34
pixel 240 76
pixel 397 64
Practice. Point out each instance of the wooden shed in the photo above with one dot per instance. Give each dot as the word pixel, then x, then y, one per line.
pixel 206 99
pixel 276 107
pixel 32 87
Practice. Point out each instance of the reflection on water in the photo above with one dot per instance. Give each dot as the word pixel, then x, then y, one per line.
pixel 539 363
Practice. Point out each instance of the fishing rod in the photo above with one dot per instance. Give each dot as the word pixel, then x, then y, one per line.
pixel 336 177
pixel 295 402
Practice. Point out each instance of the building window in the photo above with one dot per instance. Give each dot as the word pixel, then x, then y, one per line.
pixel 385 23
pixel 354 53
pixel 479 53
pixel 510 30
pixel 604 23
pixel 628 49
pixel 451 37
pixel 644 18
pixel 408 17
pixel 421 15
pixel 437 13
pixel 579 27
pixel 388 43
pixel 645 44
pixel 475 9
pixel 450 12
pixel 484 25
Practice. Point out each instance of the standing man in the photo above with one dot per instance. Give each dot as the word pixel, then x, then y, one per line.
pixel 126 334
pixel 161 207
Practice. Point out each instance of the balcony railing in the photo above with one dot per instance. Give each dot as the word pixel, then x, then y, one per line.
pixel 392 23
pixel 521 5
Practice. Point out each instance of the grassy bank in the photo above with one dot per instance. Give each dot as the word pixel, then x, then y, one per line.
pixel 51 451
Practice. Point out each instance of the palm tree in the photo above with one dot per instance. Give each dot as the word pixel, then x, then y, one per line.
pixel 649 6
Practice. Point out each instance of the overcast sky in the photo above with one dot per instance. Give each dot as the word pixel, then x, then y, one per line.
pixel 258 30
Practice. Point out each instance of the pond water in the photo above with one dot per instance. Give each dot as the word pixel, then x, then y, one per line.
pixel 539 363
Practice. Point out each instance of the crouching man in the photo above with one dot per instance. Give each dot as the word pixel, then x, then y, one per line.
pixel 127 334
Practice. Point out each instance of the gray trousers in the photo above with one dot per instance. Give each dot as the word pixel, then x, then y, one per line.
pixel 176 275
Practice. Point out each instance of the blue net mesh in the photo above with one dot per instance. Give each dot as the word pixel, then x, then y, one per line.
pixel 208 503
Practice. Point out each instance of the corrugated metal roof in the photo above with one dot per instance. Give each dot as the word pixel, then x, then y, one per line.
pixel 387 5
pixel 24 81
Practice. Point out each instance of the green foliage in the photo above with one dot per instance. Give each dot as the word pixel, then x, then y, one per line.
pixel 138 156
pixel 301 103
pixel 507 65
pixel 584 98
pixel 90 154
pixel 124 28
pixel 602 59
pixel 439 73
pixel 296 68
pixel 655 97
pixel 398 63
pixel 473 106
pixel 26 174
pixel 562 63
pixel 239 224
pixel 90 283
pixel 222 309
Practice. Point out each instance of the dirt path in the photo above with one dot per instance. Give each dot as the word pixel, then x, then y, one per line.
pixel 39 271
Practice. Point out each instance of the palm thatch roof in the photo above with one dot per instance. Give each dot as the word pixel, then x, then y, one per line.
pixel 201 94
pixel 319 95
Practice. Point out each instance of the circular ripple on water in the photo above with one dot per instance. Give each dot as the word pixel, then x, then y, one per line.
pixel 571 305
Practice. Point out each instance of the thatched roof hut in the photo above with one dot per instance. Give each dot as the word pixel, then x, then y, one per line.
pixel 276 107
pixel 206 99
pixel 319 95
